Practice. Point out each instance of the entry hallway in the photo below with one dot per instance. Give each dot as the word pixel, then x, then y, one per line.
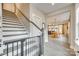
pixel 57 47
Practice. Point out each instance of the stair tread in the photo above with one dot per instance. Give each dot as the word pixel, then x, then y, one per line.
pixel 12 24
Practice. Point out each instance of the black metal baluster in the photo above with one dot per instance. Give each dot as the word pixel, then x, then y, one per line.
pixel 17 48
pixel 28 47
pixel 7 49
pixel 31 49
pixel 22 45
pixel 40 45
pixel 13 49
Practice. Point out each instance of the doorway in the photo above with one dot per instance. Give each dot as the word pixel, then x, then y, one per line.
pixel 58 36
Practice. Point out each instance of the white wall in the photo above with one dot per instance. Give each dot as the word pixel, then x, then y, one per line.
pixel 35 16
pixel 9 6
pixel 25 9
pixel 77 28
pixel 42 19
pixel 77 20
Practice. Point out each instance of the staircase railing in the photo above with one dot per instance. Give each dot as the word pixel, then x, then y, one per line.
pixel 27 18
pixel 7 43
pixel 41 29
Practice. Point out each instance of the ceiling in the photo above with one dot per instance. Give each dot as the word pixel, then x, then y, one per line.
pixel 59 19
pixel 48 7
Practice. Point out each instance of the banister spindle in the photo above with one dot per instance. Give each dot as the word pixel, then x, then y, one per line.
pixel 17 48
pixel 22 46
pixel 7 49
pixel 12 48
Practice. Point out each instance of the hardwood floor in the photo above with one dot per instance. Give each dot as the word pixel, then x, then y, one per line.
pixel 56 47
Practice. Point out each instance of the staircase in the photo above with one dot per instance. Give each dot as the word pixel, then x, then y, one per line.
pixel 16 38
pixel 12 26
